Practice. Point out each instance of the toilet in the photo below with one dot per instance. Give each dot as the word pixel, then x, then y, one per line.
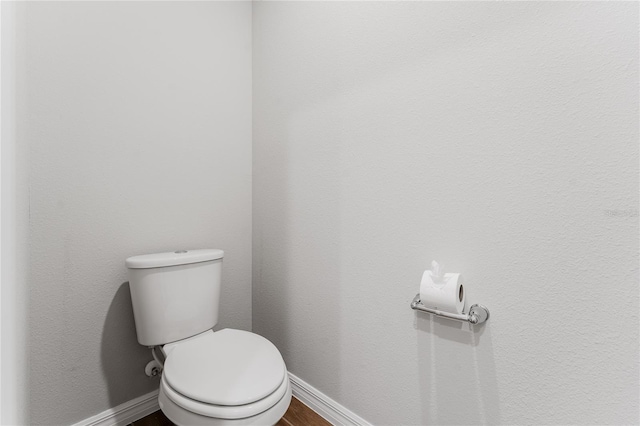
pixel 227 377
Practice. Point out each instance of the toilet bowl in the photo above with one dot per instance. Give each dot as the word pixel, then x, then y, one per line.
pixel 226 377
pixel 177 413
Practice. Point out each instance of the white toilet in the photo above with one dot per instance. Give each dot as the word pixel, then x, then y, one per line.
pixel 227 377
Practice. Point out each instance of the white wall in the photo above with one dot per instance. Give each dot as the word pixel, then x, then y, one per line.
pixel 14 255
pixel 138 122
pixel 498 138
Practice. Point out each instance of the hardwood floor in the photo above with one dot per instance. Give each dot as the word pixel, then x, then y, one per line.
pixel 154 419
pixel 298 414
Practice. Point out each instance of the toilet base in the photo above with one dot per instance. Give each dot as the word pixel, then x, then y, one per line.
pixel 180 416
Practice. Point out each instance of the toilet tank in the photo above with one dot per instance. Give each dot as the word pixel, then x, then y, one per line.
pixel 175 295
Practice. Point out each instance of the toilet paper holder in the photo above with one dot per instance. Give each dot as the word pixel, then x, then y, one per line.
pixel 477 313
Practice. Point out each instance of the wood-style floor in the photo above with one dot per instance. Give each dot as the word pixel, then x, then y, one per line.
pixel 298 414
pixel 154 419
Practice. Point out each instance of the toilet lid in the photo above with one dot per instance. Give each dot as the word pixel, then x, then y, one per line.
pixel 228 367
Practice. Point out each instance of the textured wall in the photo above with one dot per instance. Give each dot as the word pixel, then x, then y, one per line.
pixel 14 366
pixel 498 138
pixel 138 118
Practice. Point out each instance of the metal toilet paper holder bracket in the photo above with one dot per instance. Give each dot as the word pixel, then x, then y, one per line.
pixel 477 313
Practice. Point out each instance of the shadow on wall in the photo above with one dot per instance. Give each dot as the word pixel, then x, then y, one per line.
pixel 298 271
pixel 458 371
pixel 123 358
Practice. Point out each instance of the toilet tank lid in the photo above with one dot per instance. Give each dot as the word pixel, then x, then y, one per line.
pixel 173 258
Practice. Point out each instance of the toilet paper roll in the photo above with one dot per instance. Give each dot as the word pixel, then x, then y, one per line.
pixel 446 294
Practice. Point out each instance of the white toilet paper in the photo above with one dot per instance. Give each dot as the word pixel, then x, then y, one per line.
pixel 444 292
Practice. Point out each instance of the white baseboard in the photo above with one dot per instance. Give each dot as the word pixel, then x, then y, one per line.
pixel 326 407
pixel 125 413
pixel 144 405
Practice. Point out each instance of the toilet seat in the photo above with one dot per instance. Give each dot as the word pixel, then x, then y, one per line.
pixel 181 416
pixel 229 374
pixel 225 411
